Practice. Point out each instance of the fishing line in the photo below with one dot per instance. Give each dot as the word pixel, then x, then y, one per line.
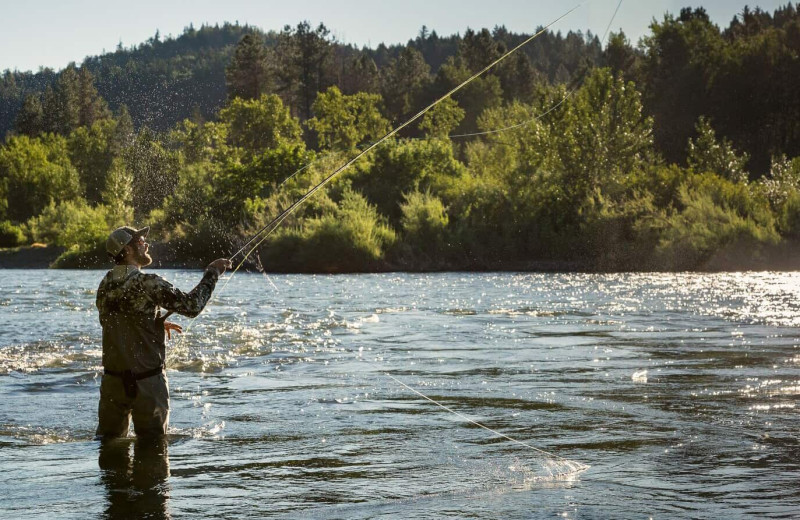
pixel 476 423
pixel 282 216
pixel 569 94
pixel 391 133
pixel 272 225
pixel 267 230
pixel 551 109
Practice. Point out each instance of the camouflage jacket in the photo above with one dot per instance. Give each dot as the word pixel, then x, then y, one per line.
pixel 133 328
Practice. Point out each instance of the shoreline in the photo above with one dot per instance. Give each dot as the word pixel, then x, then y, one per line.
pixel 782 257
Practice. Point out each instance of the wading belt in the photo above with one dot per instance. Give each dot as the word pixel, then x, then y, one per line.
pixel 129 378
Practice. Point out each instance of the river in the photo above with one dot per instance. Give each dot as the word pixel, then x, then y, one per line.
pixel 297 396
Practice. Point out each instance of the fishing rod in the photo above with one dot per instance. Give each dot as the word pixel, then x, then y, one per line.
pixel 268 228
pixel 569 467
pixel 563 100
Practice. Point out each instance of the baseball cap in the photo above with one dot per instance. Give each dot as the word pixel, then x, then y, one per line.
pixel 122 236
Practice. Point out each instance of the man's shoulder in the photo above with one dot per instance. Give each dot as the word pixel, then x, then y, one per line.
pixel 152 280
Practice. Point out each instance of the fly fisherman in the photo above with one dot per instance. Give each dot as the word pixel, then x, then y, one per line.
pixel 129 301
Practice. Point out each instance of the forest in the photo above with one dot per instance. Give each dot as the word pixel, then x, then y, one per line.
pixel 677 152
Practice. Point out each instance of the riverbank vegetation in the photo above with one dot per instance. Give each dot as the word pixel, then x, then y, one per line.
pixel 678 153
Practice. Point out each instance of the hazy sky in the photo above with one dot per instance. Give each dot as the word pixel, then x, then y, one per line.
pixel 52 33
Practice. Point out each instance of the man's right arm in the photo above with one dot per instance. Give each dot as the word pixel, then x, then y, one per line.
pixel 188 304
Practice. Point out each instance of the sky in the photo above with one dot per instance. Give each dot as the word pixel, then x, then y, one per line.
pixel 52 33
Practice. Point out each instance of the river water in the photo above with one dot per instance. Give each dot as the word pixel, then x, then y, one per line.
pixel 678 391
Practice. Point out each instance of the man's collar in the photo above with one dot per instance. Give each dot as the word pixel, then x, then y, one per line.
pixel 120 272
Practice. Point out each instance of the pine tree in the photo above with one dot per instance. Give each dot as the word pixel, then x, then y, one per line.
pixel 404 82
pixel 361 75
pixel 66 102
pixel 620 56
pixel 30 118
pixel 304 65
pixel 91 107
pixel 124 134
pixel 247 76
pixel 118 193
pixel 477 50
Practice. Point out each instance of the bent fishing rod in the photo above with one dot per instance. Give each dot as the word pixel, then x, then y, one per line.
pixel 571 467
pixel 274 223
pixel 262 234
pixel 452 136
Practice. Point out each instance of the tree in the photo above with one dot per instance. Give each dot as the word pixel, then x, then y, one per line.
pixel 36 172
pixel 247 76
pixel 681 57
pixel 259 124
pixel 400 167
pixel 303 66
pixel 606 136
pixel 442 119
pixel 478 50
pixel 91 107
pixel 361 75
pixel 91 155
pixel 62 105
pixel 30 119
pixel 620 56
pixel 11 99
pixel 403 82
pixel 707 154
pixel 154 171
pixel 124 134
pixel 476 96
pixel 518 78
pixel 344 122
pixel 118 194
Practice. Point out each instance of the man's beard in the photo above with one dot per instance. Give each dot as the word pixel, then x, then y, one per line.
pixel 144 259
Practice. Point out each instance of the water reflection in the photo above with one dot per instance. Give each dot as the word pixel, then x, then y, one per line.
pixel 135 473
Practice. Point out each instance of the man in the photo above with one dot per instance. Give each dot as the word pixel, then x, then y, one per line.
pixel 134 382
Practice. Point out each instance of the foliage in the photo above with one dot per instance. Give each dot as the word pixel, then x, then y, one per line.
pixel 475 97
pixel 118 194
pixel 11 235
pixel 606 136
pixel 352 238
pixel 400 167
pixel 714 213
pixel 424 229
pixel 782 190
pixel 575 165
pixel 258 124
pixel 248 75
pixel 707 154
pixel 70 224
pixel 442 119
pixel 345 122
pixel 303 65
pixel 153 169
pixel 34 173
pixel 90 152
pixel 403 84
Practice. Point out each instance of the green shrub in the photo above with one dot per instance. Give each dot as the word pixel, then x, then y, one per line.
pixel 424 224
pixel 76 257
pixel 70 224
pixel 789 215
pixel 714 215
pixel 11 235
pixel 352 238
